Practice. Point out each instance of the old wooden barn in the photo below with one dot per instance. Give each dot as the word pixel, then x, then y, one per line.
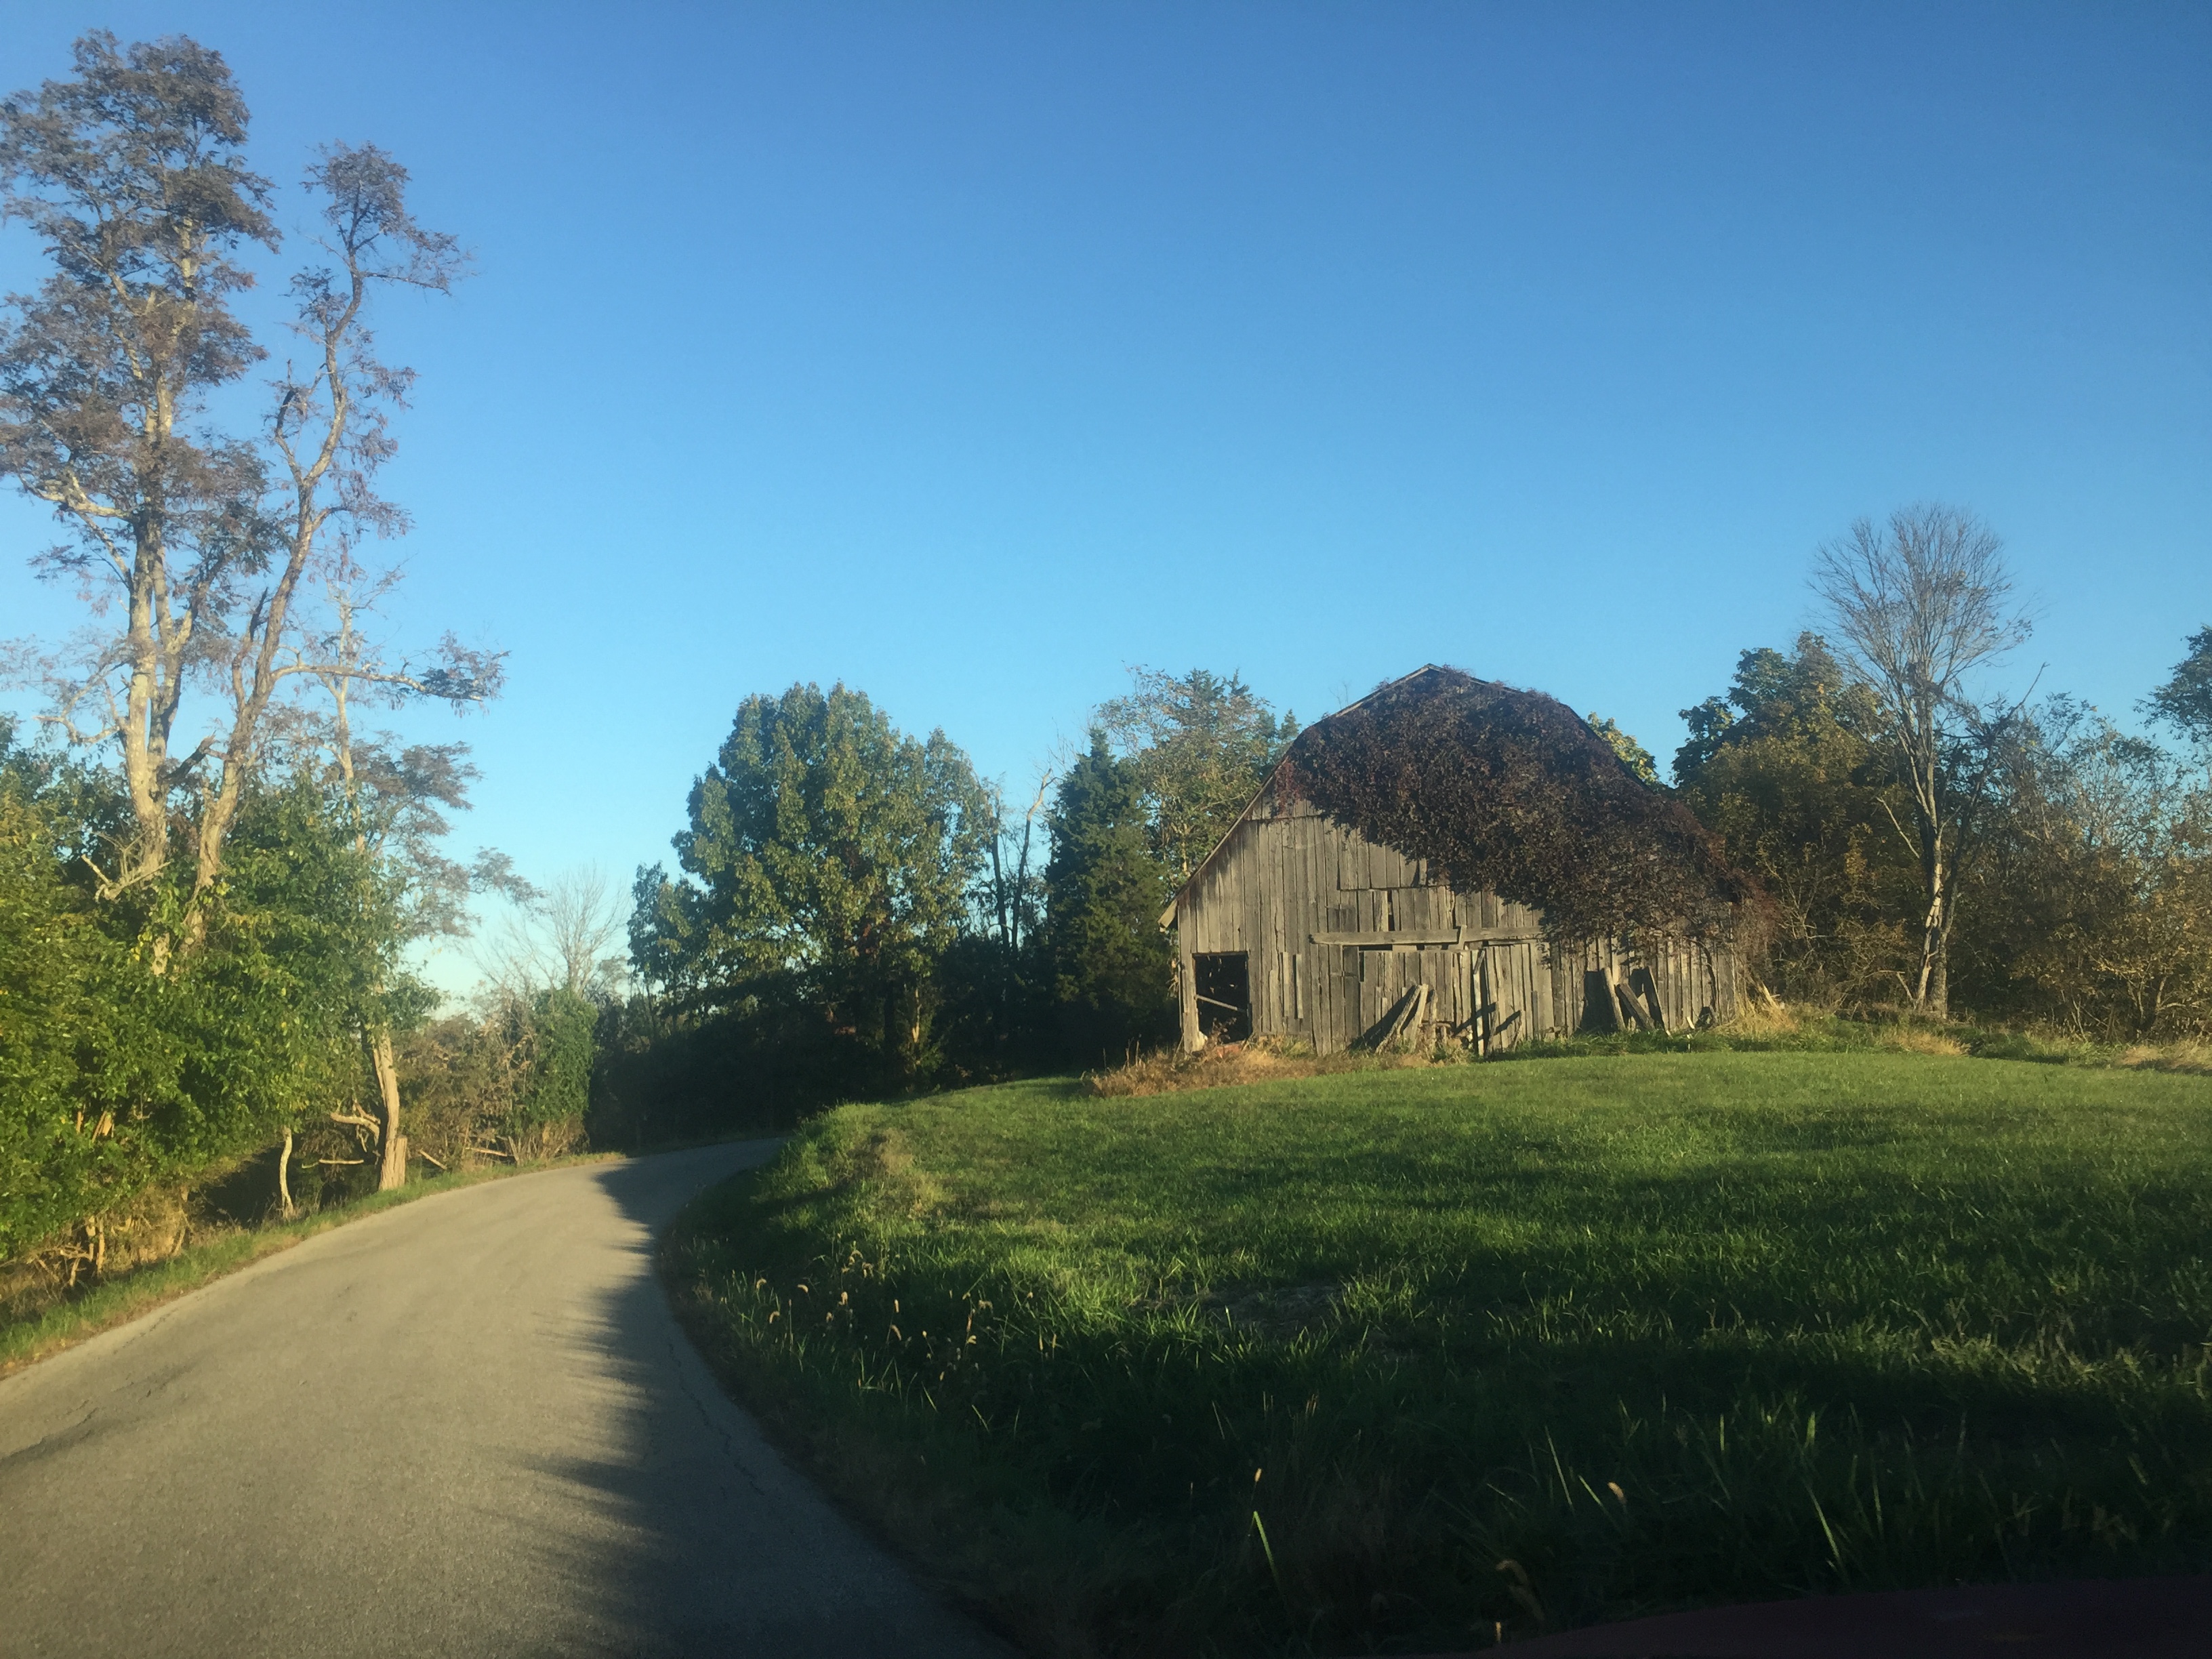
pixel 1298 926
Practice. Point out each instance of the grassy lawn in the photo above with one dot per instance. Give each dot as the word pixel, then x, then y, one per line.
pixel 1295 1367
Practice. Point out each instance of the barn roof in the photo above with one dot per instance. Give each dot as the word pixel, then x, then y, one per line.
pixel 1510 790
pixel 1168 916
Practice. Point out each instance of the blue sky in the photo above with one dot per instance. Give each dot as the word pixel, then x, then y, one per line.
pixel 973 353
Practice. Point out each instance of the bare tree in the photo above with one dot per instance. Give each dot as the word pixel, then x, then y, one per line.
pixel 1919 605
pixel 583 915
pixel 1015 895
pixel 560 935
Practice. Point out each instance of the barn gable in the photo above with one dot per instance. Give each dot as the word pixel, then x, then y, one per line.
pixel 1297 926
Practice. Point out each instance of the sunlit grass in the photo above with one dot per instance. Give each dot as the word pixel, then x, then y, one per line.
pixel 1657 1328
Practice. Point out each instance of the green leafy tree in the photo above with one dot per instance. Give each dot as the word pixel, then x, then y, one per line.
pixel 2092 897
pixel 121 1079
pixel 559 1086
pixel 827 866
pixel 54 1157
pixel 1634 755
pixel 1201 744
pixel 1103 894
pixel 1786 768
pixel 2185 701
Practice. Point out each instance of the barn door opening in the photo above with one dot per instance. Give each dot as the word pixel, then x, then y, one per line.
pixel 1600 1012
pixel 1223 979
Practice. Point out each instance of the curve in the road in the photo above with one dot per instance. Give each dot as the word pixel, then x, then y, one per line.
pixel 466 1426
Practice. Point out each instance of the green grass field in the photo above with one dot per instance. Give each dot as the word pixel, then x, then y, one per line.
pixel 1296 1367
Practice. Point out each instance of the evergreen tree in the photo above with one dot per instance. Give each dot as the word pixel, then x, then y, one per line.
pixel 1103 894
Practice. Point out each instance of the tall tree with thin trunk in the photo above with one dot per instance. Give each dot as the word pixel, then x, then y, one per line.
pixel 329 430
pixel 1919 605
pixel 396 798
pixel 133 175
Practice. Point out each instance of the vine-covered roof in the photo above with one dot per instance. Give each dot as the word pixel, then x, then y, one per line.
pixel 1510 790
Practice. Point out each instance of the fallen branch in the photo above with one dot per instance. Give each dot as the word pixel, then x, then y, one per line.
pixel 492 1151
pixel 426 1157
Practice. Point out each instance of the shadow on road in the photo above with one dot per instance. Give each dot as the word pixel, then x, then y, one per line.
pixel 684 1532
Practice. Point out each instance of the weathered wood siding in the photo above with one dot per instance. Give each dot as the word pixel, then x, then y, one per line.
pixel 1337 931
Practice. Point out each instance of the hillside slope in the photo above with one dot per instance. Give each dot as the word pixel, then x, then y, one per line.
pixel 1390 1360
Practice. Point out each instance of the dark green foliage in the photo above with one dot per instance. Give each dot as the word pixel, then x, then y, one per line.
pixel 1664 1328
pixel 995 1008
pixel 557 1088
pixel 1103 894
pixel 1510 790
pixel 2185 701
pixel 827 870
pixel 2080 857
pixel 1786 770
pixel 666 1076
pixel 2090 882
pixel 116 1075
pixel 54 961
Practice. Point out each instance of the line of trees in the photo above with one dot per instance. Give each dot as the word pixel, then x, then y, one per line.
pixel 854 911
pixel 1929 849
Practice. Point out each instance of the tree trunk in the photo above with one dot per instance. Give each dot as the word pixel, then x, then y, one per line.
pixel 284 1178
pixel 1932 994
pixel 393 1172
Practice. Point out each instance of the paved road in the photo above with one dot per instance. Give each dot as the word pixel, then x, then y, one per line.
pixel 467 1425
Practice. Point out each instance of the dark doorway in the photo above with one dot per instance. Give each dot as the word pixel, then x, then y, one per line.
pixel 1600 1012
pixel 1224 982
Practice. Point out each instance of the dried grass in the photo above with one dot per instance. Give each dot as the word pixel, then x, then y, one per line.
pixel 1261 1060
pixel 1764 1015
pixel 1921 1039
pixel 2188 1056
pixel 153 1227
pixel 1217 1066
